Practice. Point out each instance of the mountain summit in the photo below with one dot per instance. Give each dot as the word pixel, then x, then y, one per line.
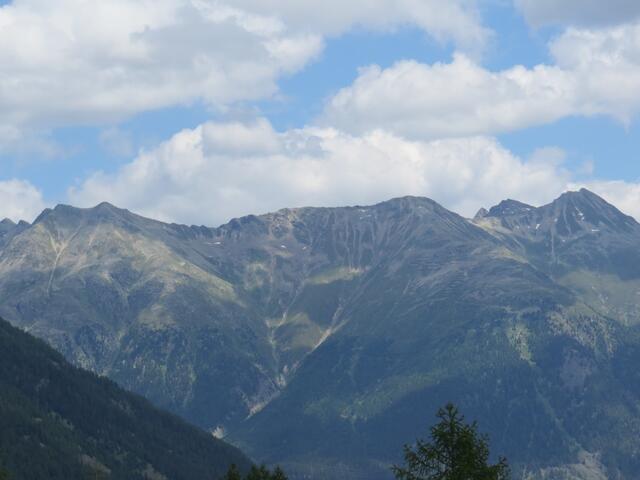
pixel 579 229
pixel 572 214
pixel 319 337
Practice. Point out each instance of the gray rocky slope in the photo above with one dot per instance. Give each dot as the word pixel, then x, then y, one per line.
pixel 325 338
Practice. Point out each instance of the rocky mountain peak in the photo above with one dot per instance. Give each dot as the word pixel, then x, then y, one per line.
pixel 509 207
pixel 6 225
pixel 482 213
pixel 8 229
pixel 60 215
pixel 66 217
pixel 410 203
pixel 573 214
pixel 43 215
pixel 575 210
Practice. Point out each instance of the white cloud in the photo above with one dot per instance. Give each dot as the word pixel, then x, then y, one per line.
pixel 456 21
pixel 605 67
pixel 450 99
pixel 72 62
pixel 19 200
pixel 596 72
pixel 408 129
pixel 578 12
pixel 236 138
pixel 218 171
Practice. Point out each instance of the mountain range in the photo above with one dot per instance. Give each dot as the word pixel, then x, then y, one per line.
pixel 325 338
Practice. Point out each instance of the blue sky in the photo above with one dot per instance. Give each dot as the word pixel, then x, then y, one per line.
pixel 571 124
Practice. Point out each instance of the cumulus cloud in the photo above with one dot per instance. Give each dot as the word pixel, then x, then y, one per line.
pixel 19 200
pixel 578 12
pixel 595 72
pixel 450 99
pixel 217 171
pixel 409 129
pixel 73 62
pixel 456 21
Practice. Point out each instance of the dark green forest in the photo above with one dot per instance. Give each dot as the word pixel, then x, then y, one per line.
pixel 60 422
pixel 255 473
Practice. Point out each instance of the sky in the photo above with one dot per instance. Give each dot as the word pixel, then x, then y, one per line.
pixel 198 111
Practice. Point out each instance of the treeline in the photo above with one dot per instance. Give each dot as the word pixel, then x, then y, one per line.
pixel 456 451
pixel 256 473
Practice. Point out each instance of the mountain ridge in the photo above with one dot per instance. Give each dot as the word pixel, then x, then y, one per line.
pixel 343 321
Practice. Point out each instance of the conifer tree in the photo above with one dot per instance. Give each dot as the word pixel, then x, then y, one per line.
pixel 259 473
pixel 278 474
pixel 256 473
pixel 456 452
pixel 233 473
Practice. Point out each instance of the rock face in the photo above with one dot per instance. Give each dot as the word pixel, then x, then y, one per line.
pixel 325 338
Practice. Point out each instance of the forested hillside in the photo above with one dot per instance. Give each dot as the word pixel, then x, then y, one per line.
pixel 60 422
